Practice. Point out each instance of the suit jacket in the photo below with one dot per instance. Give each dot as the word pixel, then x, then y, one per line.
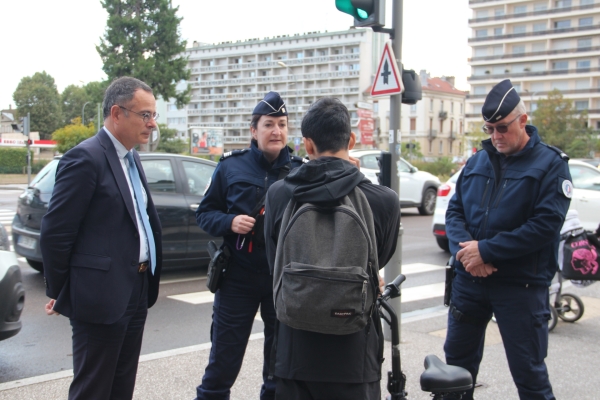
pixel 89 237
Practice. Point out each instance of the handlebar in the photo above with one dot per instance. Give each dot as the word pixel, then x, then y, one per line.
pixel 392 289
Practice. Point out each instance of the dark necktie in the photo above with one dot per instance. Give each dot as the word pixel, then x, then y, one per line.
pixel 139 197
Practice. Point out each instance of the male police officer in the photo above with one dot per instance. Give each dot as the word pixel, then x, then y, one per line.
pixel 503 225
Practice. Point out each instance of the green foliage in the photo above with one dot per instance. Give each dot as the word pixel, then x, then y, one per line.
pixel 560 124
pixel 168 143
pixel 442 167
pixel 38 96
pixel 73 98
pixel 411 154
pixel 13 160
pixel 142 40
pixel 71 135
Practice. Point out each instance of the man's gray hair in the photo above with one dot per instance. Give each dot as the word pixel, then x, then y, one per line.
pixel 520 108
pixel 121 91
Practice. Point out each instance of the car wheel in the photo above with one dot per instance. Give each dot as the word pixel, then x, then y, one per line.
pixel 38 266
pixel 428 203
pixel 443 243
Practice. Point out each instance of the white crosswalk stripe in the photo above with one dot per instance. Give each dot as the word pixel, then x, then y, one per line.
pixel 408 294
pixel 6 216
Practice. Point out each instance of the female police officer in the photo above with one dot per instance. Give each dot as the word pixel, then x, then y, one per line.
pixel 228 209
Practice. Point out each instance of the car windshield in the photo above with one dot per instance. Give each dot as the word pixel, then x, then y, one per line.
pixel 44 180
pixel 585 177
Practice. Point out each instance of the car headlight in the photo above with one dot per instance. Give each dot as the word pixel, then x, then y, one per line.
pixel 4 243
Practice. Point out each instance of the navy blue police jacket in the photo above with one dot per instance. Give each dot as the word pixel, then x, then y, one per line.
pixel 515 213
pixel 239 182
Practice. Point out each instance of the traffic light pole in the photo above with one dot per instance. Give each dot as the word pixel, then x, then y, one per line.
pixel 27 132
pixel 394 266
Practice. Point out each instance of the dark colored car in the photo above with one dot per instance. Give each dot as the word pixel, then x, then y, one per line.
pixel 12 293
pixel 177 184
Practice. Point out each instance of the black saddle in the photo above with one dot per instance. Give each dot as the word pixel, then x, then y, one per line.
pixel 442 378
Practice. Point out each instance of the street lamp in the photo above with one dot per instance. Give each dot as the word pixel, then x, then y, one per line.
pixel 531 94
pixel 295 83
pixel 82 114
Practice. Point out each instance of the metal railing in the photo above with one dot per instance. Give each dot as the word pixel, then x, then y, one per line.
pixel 530 73
pixel 538 33
pixel 532 13
pixel 534 53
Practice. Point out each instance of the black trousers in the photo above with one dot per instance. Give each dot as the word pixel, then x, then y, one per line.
pixel 105 357
pixel 288 389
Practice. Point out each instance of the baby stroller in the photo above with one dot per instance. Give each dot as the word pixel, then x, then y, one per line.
pixel 567 306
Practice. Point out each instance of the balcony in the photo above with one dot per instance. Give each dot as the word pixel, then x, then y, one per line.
pixel 531 74
pixel 527 96
pixel 532 13
pixel 530 34
pixel 443 115
pixel 433 133
pixel 534 54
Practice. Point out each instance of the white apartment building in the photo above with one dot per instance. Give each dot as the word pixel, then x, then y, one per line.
pixel 540 45
pixel 437 121
pixel 228 79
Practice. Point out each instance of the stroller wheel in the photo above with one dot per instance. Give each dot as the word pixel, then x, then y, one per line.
pixel 569 307
pixel 553 319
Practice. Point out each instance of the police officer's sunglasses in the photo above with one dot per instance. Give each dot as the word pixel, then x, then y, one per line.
pixel 502 129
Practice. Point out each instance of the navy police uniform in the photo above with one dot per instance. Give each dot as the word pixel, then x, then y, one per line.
pixel 239 183
pixel 514 206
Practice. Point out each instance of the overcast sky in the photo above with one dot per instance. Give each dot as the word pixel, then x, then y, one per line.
pixel 60 36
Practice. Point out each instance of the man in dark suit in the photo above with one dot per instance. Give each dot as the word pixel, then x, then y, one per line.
pixel 101 245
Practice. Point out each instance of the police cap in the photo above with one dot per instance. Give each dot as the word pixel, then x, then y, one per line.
pixel 500 101
pixel 272 104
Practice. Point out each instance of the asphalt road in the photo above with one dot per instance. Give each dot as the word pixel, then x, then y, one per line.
pixel 182 314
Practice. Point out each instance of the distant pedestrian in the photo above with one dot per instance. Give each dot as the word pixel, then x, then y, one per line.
pixel 231 208
pixel 503 225
pixel 101 245
pixel 311 365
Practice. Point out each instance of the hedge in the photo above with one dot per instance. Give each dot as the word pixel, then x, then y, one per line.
pixel 14 160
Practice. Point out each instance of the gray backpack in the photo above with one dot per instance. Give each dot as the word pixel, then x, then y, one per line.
pixel 325 277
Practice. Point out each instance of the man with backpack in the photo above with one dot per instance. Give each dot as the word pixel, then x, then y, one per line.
pixel 328 229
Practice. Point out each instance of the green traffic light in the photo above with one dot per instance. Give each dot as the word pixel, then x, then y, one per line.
pixel 347 6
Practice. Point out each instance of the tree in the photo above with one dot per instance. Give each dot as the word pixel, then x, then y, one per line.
pixel 411 154
pixel 142 40
pixel 561 125
pixel 71 135
pixel 168 143
pixel 38 96
pixel 74 97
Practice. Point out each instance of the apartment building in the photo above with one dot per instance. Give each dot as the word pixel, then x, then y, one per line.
pixel 437 121
pixel 540 45
pixel 228 79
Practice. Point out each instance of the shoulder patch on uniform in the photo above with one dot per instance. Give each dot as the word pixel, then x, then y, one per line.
pixel 567 188
pixel 233 153
pixel 558 151
pixel 299 159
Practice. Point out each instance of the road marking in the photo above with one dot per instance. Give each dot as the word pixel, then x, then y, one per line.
pixel 194 298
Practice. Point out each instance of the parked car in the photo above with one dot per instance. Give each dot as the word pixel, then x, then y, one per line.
pixel 592 161
pixel 177 184
pixel 586 199
pixel 12 293
pixel 417 188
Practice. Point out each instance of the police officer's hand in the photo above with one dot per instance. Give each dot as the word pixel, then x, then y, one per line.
pixel 242 224
pixel 469 254
pixel 482 270
pixel 354 161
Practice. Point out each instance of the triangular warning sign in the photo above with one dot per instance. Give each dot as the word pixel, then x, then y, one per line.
pixel 387 81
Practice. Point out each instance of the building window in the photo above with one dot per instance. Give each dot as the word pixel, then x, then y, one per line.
pixel 565 23
pixel 481 33
pixel 498 50
pixel 560 85
pixel 442 105
pixel 441 150
pixel 480 52
pixel 479 90
pixel 517 29
pixel 430 104
pixel 586 2
pixel 583 64
pixel 481 14
pixel 562 3
pixel 498 12
pixel 587 21
pixel 413 125
pixel 584 43
pixel 267 58
pixel 540 6
pixel 520 49
pixel 452 107
pixel 540 46
pixel 539 27
pixel 582 84
pixel 560 65
pixel 581 105
pixel 413 108
pixel 300 55
pixel 520 9
pixel 355 50
pixel 497 31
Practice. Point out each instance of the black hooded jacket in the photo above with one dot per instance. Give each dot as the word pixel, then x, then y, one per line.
pixel 310 356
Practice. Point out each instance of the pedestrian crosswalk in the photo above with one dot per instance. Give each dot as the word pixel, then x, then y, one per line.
pixel 6 218
pixel 410 294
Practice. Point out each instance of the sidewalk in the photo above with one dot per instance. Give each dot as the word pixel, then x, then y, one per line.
pixel 573 361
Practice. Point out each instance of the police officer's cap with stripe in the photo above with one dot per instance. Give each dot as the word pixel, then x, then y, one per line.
pixel 272 105
pixel 500 101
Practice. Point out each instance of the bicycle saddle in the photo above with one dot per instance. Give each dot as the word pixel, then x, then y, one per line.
pixel 439 377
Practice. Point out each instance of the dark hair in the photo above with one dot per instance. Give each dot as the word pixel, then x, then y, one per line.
pixel 121 91
pixel 327 124
pixel 256 118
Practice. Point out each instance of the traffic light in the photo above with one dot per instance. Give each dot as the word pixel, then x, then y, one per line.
pixel 412 87
pixel 411 146
pixel 384 176
pixel 22 126
pixel 365 12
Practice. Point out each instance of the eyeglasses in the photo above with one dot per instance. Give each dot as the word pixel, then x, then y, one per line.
pixel 502 129
pixel 145 116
